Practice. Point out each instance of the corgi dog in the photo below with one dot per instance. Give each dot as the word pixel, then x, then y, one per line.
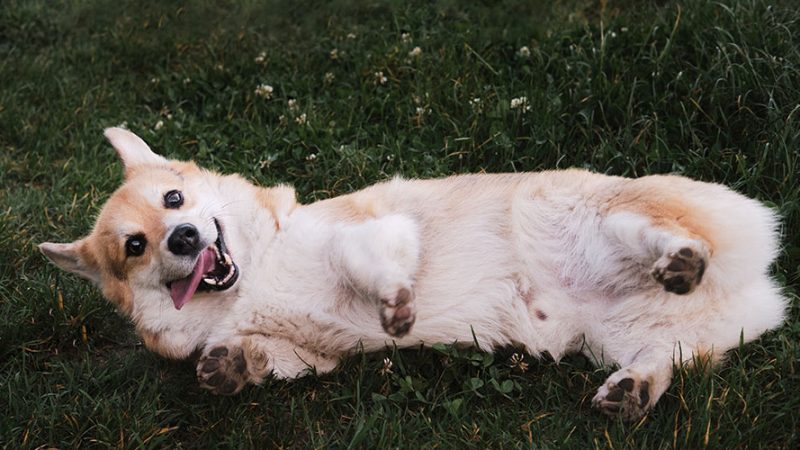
pixel 638 274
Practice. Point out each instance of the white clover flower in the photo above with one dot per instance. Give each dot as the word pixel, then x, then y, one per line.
pixel 351 35
pixel 264 91
pixel 334 54
pixel 518 362
pixel 261 59
pixel 159 125
pixel 328 78
pixel 416 52
pixel 292 104
pixel 282 120
pixel 476 103
pixel 520 103
pixel 524 52
pixel 406 38
pixel 387 367
pixel 301 119
pixel 380 78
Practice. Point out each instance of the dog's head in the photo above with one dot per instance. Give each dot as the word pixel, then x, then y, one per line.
pixel 165 236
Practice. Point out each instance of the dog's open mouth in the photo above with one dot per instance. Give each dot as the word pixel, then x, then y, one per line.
pixel 213 271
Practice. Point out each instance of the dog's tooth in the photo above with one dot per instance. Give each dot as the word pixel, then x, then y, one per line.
pixel 227 259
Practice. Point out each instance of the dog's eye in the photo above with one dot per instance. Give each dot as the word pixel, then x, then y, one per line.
pixel 135 245
pixel 173 199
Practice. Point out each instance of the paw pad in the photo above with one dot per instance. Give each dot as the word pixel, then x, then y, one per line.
pixel 222 371
pixel 628 398
pixel 398 312
pixel 680 272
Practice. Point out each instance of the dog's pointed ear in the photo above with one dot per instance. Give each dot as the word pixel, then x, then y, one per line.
pixel 132 150
pixel 73 258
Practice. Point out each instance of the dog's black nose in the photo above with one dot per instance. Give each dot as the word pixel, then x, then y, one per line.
pixel 184 240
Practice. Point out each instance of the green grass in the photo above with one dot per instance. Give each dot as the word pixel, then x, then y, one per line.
pixel 706 89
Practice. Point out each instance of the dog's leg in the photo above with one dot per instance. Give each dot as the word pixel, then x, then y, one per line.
pixel 671 255
pixel 227 365
pixel 632 391
pixel 379 258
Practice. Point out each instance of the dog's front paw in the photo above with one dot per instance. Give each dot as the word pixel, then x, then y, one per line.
pixel 222 370
pixel 398 312
pixel 625 395
pixel 680 271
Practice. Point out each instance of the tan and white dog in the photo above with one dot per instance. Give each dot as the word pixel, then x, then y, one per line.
pixel 640 273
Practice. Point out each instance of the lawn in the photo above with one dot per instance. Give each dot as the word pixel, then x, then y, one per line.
pixel 361 91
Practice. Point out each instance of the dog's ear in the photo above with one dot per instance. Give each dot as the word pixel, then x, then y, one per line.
pixel 132 150
pixel 73 258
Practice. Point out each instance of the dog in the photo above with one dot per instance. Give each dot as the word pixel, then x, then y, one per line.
pixel 639 274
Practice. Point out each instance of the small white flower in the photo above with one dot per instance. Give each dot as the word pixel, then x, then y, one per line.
pixel 261 59
pixel 416 52
pixel 328 78
pixel 623 29
pixel 334 54
pixel 159 125
pixel 311 157
pixel 219 67
pixel 264 91
pixel 520 103
pixel 476 103
pixel 380 78
pixel 301 119
pixel 387 367
pixel 282 120
pixel 420 111
pixel 154 80
pixel 518 362
pixel 351 35
pixel 406 38
pixel 123 125
pixel 524 52
pixel 390 158
pixel 612 35
pixel 187 80
pixel 292 104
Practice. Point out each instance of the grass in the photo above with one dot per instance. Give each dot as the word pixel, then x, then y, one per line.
pixel 710 90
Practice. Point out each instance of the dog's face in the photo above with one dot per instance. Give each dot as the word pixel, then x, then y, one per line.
pixel 161 238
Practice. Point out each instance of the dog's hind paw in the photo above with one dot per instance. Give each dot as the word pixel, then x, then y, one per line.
pixel 398 312
pixel 222 370
pixel 680 271
pixel 624 395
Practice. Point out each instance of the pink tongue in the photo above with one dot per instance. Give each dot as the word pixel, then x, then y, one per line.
pixel 183 289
